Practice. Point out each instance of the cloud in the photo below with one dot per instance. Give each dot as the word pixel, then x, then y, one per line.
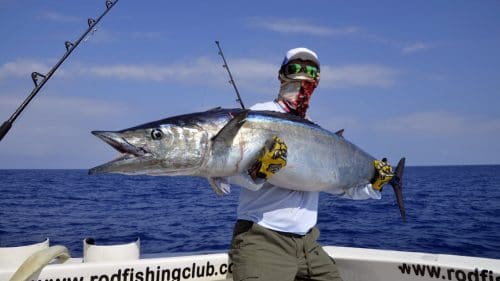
pixel 129 71
pixel 201 70
pixel 58 106
pixel 405 47
pixel 358 75
pixel 441 123
pixel 246 72
pixel 260 75
pixel 257 75
pixel 416 47
pixel 22 68
pixel 151 35
pixel 299 26
pixel 58 17
pixel 149 72
pixel 425 123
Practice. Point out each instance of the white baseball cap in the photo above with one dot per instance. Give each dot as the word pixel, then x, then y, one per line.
pixel 300 53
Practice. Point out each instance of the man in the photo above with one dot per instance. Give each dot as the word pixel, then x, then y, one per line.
pixel 275 235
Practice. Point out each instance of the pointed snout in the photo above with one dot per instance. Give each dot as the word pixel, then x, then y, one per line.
pixel 118 142
pixel 112 138
pixel 105 135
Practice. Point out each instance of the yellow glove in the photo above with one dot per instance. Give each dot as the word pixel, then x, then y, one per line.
pixel 271 159
pixel 383 174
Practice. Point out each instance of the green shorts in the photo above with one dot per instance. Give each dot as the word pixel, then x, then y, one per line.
pixel 259 253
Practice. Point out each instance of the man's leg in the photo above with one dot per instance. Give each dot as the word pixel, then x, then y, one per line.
pixel 318 265
pixel 261 254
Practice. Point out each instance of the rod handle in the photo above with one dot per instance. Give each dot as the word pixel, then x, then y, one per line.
pixel 5 129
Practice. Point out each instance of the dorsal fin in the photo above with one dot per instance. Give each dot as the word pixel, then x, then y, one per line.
pixel 340 133
pixel 214 109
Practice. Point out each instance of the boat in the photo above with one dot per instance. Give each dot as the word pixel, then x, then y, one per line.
pixel 124 262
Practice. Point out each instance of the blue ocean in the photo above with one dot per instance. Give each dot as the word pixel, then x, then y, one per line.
pixel 450 210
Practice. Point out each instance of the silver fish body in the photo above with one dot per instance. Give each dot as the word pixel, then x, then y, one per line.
pixel 197 145
pixel 223 143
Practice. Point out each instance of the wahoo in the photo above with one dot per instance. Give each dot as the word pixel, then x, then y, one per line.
pixel 221 144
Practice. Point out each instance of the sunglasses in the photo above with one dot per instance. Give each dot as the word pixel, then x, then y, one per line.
pixel 295 68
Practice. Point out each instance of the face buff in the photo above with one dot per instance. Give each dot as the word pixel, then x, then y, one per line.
pixel 294 96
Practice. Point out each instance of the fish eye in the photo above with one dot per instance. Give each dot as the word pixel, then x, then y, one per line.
pixel 156 134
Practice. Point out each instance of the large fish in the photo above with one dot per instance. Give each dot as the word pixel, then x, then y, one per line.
pixel 222 143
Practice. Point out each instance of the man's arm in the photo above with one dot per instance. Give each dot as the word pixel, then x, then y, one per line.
pixel 383 175
pixel 362 192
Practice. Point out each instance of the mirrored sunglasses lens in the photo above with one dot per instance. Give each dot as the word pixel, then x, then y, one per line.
pixel 312 71
pixel 294 68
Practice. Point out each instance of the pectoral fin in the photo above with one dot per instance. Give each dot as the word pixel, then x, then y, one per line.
pixel 220 185
pixel 226 135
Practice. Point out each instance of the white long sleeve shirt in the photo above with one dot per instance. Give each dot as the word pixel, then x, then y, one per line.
pixel 282 209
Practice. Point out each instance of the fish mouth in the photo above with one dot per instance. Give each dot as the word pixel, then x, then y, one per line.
pixel 129 159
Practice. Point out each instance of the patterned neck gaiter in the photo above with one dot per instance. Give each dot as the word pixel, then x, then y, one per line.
pixel 294 96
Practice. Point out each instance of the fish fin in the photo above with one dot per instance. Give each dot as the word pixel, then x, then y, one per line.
pixel 340 133
pixel 227 133
pixel 214 109
pixel 397 184
pixel 220 185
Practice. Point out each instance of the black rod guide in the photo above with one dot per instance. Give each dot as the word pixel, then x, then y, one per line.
pixel 41 79
pixel 231 81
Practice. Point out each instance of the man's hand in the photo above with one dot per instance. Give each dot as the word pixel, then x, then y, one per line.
pixel 383 174
pixel 271 159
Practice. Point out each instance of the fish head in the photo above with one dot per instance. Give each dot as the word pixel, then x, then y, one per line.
pixel 155 149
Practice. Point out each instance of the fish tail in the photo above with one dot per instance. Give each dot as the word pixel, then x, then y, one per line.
pixel 397 185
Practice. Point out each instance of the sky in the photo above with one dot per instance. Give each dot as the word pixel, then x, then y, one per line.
pixel 414 79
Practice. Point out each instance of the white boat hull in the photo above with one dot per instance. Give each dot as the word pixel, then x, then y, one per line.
pixel 355 264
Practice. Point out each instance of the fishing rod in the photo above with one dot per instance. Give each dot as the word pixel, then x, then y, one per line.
pixel 231 81
pixel 35 76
